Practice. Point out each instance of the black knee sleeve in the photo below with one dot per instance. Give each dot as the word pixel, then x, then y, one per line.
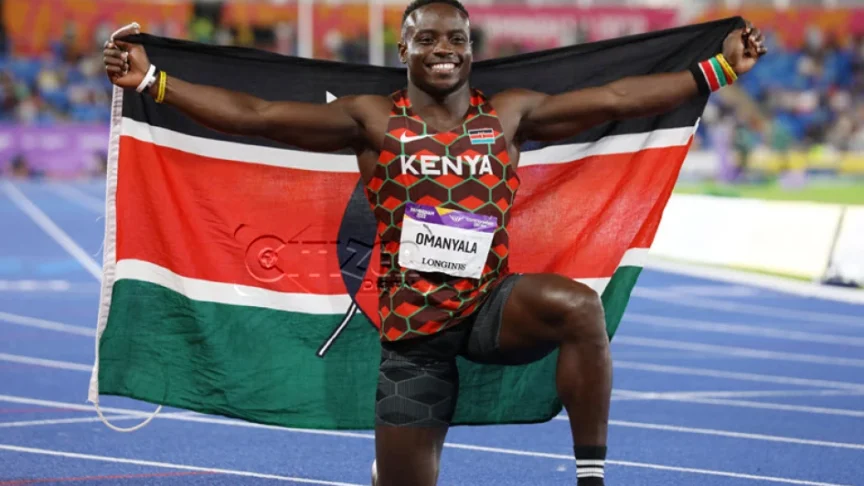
pixel 415 392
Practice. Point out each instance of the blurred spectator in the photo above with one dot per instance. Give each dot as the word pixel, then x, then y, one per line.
pixel 812 96
pixel 811 100
pixel 61 85
pixel 19 169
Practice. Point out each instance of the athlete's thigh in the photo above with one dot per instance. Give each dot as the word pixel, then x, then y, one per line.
pixel 507 329
pixel 538 311
pixel 417 390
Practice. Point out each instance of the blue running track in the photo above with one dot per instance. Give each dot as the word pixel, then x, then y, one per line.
pixel 715 384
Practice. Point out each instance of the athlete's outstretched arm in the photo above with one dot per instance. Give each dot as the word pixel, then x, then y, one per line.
pixel 545 117
pixel 318 127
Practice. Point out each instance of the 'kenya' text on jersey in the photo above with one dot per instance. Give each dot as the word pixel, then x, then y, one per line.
pixel 458 187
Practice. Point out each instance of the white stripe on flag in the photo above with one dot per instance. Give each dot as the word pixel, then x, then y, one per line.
pixel 235 294
pixel 232 294
pixel 613 144
pixel 597 284
pixel 634 257
pixel 328 162
pixel 239 152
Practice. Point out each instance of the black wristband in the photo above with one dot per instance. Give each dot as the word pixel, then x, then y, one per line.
pixel 701 82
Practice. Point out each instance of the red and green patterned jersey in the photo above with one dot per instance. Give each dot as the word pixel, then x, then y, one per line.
pixel 463 171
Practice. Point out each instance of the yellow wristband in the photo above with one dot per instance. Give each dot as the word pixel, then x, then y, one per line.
pixel 163 81
pixel 727 67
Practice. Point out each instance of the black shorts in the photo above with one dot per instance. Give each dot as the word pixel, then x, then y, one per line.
pixel 418 381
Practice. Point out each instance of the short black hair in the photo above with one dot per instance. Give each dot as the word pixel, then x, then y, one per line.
pixel 422 3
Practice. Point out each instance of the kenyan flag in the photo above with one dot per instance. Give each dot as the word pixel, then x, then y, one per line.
pixel 239 274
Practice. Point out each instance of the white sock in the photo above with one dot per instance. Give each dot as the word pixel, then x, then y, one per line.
pixel 590 468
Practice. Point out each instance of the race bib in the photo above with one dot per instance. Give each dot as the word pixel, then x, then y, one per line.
pixel 445 240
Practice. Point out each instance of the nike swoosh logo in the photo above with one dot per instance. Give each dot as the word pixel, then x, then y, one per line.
pixel 405 139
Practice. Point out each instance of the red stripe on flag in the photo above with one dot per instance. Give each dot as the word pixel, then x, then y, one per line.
pixel 710 76
pixel 213 219
pixel 601 206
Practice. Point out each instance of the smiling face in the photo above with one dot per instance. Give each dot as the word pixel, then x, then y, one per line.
pixel 436 46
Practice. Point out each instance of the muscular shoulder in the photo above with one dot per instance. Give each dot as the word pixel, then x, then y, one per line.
pixel 366 109
pixel 512 106
pixel 371 114
pixel 516 100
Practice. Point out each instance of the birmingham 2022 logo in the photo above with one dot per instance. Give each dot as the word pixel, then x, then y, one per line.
pixel 354 246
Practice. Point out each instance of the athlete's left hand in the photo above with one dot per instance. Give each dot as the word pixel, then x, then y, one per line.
pixel 743 47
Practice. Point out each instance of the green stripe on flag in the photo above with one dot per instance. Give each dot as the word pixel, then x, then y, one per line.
pixel 616 296
pixel 259 365
pixel 719 72
pixel 247 362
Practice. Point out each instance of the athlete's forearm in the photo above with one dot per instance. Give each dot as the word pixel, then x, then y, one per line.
pixel 316 127
pixel 563 115
pixel 217 108
pixel 639 96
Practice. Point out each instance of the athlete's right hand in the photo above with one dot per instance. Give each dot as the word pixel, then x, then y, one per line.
pixel 126 64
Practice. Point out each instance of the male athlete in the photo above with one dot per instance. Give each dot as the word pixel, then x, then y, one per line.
pixel 493 315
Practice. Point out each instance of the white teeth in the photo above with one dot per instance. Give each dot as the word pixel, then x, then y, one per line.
pixel 447 66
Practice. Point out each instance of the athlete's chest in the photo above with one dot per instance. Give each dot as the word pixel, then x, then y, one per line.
pixel 462 165
pixel 442 198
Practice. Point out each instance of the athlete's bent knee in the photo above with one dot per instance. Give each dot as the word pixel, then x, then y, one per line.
pixel 579 313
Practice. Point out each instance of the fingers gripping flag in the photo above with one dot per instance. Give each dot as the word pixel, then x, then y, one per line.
pixel 239 274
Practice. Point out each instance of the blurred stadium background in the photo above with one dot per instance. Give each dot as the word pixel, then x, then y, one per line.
pixel 723 377
pixel 791 130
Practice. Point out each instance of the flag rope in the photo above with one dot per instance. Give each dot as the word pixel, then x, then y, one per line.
pixel 109 265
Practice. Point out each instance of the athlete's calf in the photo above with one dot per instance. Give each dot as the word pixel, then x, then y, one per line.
pixel 548 310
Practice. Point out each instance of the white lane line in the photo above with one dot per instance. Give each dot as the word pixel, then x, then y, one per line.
pixel 49 286
pixel 194 417
pixel 29 285
pixel 625 394
pixel 736 375
pixel 51 229
pixel 620 354
pixel 34 423
pixel 782 407
pixel 238 423
pixel 204 419
pixel 47 363
pixel 736 394
pixel 80 198
pixel 738 351
pixel 187 414
pixel 635 395
pixel 752 309
pixel 739 403
pixel 168 465
pixel 684 398
pixel 731 434
pixel 712 291
pixel 81 420
pixel 744 330
pixel 643 465
pixel 46 324
pixel 751 279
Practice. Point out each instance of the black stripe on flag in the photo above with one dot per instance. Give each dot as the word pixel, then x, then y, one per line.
pixel 275 77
